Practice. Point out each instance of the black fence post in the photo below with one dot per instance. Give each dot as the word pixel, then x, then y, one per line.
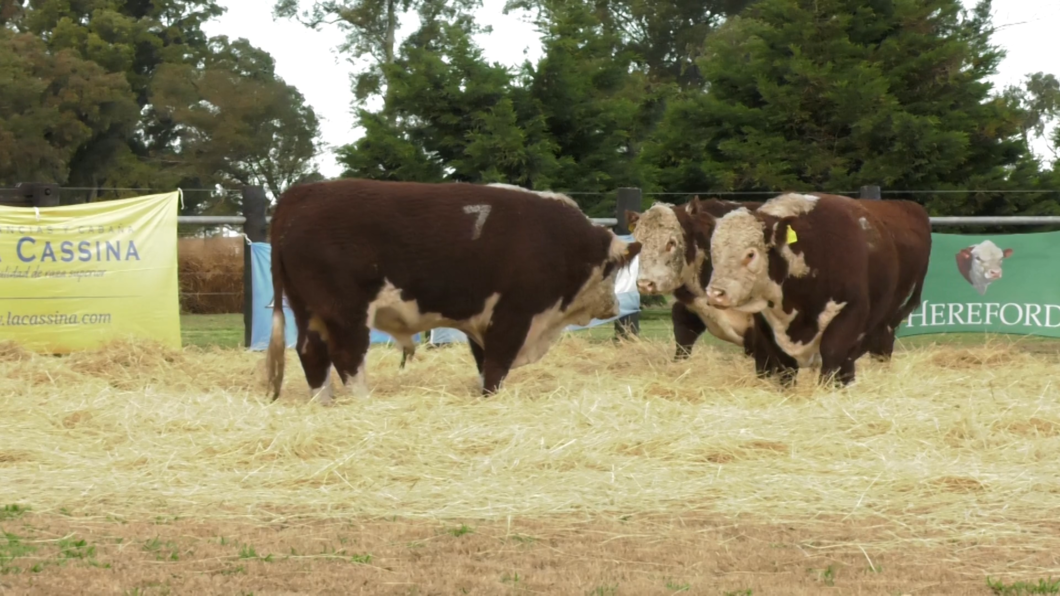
pixel 627 199
pixel 31 194
pixel 45 195
pixel 870 192
pixel 255 228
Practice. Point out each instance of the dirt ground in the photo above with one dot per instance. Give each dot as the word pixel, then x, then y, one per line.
pixel 55 554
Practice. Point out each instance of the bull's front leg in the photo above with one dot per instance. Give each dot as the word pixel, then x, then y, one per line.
pixel 504 339
pixel 770 360
pixel 687 329
pixel 479 355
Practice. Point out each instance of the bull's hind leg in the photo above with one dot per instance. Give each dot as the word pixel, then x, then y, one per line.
pixel 313 353
pixel 880 343
pixel 840 345
pixel 687 329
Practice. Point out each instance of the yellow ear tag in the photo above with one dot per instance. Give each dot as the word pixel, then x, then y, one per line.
pixel 792 237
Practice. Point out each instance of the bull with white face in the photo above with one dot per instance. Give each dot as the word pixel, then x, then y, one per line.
pixel 815 270
pixel 980 264
pixel 675 259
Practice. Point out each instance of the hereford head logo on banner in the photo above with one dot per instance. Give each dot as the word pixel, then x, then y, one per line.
pixel 980 264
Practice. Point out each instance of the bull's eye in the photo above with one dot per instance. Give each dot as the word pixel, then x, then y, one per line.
pixel 670 246
pixel 748 257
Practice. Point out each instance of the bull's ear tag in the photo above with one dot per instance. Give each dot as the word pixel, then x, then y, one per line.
pixel 792 236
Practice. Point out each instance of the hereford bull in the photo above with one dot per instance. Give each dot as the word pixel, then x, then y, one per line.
pixel 674 259
pixel 510 269
pixel 821 272
pixel 409 348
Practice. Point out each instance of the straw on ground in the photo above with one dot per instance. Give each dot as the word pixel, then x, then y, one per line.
pixel 959 441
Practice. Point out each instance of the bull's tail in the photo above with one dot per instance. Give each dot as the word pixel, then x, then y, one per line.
pixel 275 358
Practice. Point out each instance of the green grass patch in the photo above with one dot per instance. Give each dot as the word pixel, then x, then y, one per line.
pixel 226 331
pixel 1000 588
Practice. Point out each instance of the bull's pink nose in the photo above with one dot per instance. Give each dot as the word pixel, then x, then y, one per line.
pixel 646 287
pixel 717 297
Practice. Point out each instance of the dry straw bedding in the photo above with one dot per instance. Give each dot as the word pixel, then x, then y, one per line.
pixel 964 441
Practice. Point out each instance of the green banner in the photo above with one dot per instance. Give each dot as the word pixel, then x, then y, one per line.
pixel 1003 283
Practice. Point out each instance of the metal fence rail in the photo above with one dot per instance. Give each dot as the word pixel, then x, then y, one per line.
pixel 986 220
pixel 238 220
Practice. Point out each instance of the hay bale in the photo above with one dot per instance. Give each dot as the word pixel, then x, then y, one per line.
pixel 210 274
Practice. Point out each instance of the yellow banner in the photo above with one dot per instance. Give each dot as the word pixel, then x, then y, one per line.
pixel 78 276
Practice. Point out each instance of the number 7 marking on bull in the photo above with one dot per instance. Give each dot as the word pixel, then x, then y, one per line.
pixel 483 212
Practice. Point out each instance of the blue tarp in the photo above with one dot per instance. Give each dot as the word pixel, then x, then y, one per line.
pixel 261 320
pixel 625 289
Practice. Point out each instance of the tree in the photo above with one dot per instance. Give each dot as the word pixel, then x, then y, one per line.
pixel 237 123
pixel 133 38
pixel 204 112
pixel 665 38
pixel 451 116
pixel 54 105
pixel 1040 98
pixel 833 94
pixel 371 29
pixel 595 104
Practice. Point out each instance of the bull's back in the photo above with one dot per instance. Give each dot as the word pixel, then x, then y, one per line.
pixel 449 246
pixel 846 266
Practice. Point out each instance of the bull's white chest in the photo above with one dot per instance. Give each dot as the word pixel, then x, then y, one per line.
pixel 809 353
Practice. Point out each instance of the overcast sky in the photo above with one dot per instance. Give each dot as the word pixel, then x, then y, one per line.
pixel 307 59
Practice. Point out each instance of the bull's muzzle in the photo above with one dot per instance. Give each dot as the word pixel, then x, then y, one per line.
pixel 717 298
pixel 646 287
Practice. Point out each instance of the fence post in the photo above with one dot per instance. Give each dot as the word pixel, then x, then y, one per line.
pixel 45 195
pixel 627 199
pixel 870 192
pixel 31 194
pixel 254 207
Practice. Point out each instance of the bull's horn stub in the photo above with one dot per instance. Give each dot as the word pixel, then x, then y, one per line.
pixel 792 236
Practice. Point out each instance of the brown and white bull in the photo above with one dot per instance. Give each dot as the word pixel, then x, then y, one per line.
pixel 510 269
pixel 675 259
pixel 822 272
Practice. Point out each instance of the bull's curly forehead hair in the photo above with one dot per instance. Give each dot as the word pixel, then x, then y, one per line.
pixel 736 231
pixel 659 217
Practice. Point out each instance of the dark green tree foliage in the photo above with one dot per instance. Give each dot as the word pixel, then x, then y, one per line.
pixel 593 102
pixel 131 37
pixel 236 122
pixel 833 94
pixel 53 104
pixel 157 103
pixel 450 116
pixel 664 38
pixel 573 122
